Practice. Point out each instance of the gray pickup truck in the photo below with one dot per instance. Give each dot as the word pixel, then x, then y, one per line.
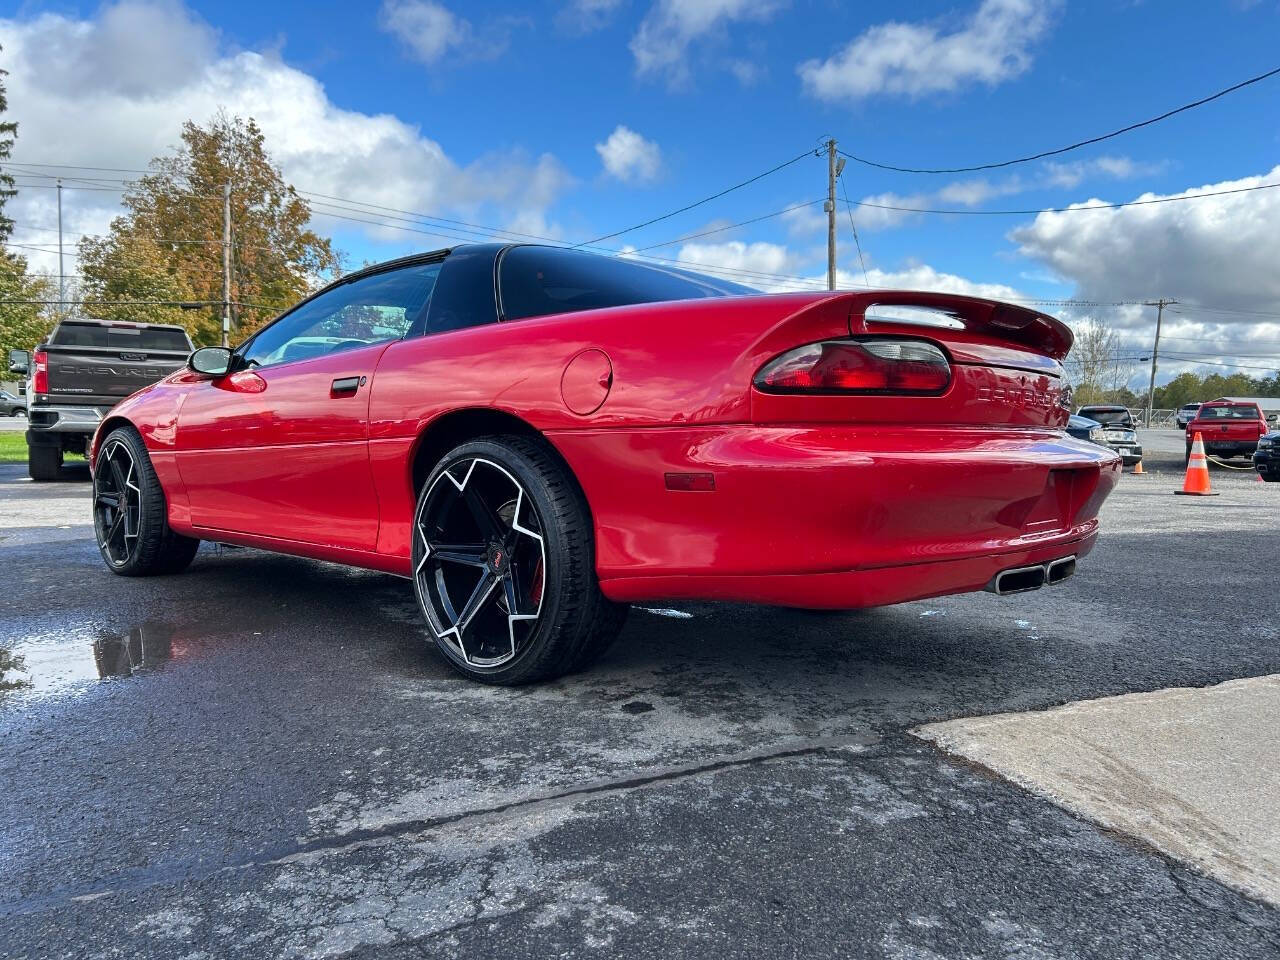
pixel 83 370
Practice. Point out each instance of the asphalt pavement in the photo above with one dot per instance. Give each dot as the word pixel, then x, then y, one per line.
pixel 261 757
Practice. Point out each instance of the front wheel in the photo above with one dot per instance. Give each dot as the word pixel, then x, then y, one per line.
pixel 129 514
pixel 504 564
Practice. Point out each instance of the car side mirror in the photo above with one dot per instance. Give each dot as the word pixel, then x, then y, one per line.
pixel 211 361
pixel 19 362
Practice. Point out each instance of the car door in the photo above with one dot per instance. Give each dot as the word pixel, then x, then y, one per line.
pixel 279 448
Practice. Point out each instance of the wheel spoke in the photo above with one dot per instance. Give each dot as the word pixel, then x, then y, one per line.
pixel 117 476
pixel 474 602
pixel 470 554
pixel 486 519
pixel 108 499
pixel 116 524
pixel 511 591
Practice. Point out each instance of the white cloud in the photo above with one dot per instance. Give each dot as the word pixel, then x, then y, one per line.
pixel 924 277
pixel 428 29
pixel 1073 173
pixel 913 59
pixel 669 29
pixel 584 16
pixel 1215 252
pixel 977 191
pixel 630 157
pixel 71 90
pixel 740 262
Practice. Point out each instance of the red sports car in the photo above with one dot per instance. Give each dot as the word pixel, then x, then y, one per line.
pixel 537 437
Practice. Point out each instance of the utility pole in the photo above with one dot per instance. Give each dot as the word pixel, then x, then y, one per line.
pixel 831 214
pixel 62 276
pixel 226 264
pixel 1155 351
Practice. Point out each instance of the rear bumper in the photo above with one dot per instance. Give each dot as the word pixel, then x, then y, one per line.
pixel 1230 448
pixel 82 419
pixel 848 589
pixel 833 515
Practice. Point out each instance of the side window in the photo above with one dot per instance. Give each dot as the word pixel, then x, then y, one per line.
pixel 373 309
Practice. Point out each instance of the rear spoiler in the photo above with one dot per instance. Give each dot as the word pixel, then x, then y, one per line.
pixel 1004 321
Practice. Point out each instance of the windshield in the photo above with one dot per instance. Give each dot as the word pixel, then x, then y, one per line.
pixel 120 337
pixel 1234 411
pixel 1110 418
pixel 536 281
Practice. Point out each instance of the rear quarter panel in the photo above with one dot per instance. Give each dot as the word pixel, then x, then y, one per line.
pixel 673 364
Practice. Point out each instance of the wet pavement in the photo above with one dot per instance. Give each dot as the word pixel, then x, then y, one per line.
pixel 260 757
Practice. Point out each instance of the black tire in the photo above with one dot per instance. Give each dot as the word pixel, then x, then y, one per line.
pixel 44 463
pixel 155 549
pixel 573 624
pixel 1187 458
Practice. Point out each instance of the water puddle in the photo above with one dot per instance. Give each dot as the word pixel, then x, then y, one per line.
pixel 56 664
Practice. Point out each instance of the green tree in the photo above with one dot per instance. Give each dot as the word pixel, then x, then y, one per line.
pixel 174 221
pixel 8 134
pixel 132 280
pixel 22 324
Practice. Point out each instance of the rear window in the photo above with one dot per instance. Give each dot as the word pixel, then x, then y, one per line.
pixel 120 338
pixel 1234 411
pixel 1111 418
pixel 537 281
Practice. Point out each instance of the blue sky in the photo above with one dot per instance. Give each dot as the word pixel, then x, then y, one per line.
pixel 505 115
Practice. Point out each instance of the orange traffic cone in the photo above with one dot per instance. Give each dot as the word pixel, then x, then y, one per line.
pixel 1197 481
pixel 1137 469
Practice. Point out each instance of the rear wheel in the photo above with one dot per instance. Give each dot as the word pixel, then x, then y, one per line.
pixel 504 564
pixel 129 513
pixel 44 462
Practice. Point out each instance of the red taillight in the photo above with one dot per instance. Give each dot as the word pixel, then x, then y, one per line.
pixel 880 365
pixel 40 372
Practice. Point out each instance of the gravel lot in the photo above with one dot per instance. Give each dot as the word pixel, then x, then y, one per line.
pixel 279 766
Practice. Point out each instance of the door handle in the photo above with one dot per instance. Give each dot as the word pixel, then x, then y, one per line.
pixel 345 385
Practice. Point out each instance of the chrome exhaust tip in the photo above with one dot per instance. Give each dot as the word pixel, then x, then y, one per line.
pixel 1017 580
pixel 1058 570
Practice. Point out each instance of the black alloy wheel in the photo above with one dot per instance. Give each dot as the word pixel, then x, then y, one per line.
pixel 503 564
pixel 117 502
pixel 129 511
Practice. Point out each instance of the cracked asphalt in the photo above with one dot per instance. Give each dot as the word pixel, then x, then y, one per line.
pixel 261 757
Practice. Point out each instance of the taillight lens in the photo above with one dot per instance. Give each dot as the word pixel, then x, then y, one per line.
pixel 40 372
pixel 880 365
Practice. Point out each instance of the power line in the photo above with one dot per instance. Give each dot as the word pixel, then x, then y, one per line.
pixel 856 242
pixel 1070 209
pixel 1071 146
pixel 1213 363
pixel 698 203
pixel 732 226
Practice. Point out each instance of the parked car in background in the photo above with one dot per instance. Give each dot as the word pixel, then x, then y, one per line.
pixel 1267 457
pixel 536 437
pixel 11 406
pixel 84 369
pixel 1119 432
pixel 1082 428
pixel 1228 429
pixel 1186 413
